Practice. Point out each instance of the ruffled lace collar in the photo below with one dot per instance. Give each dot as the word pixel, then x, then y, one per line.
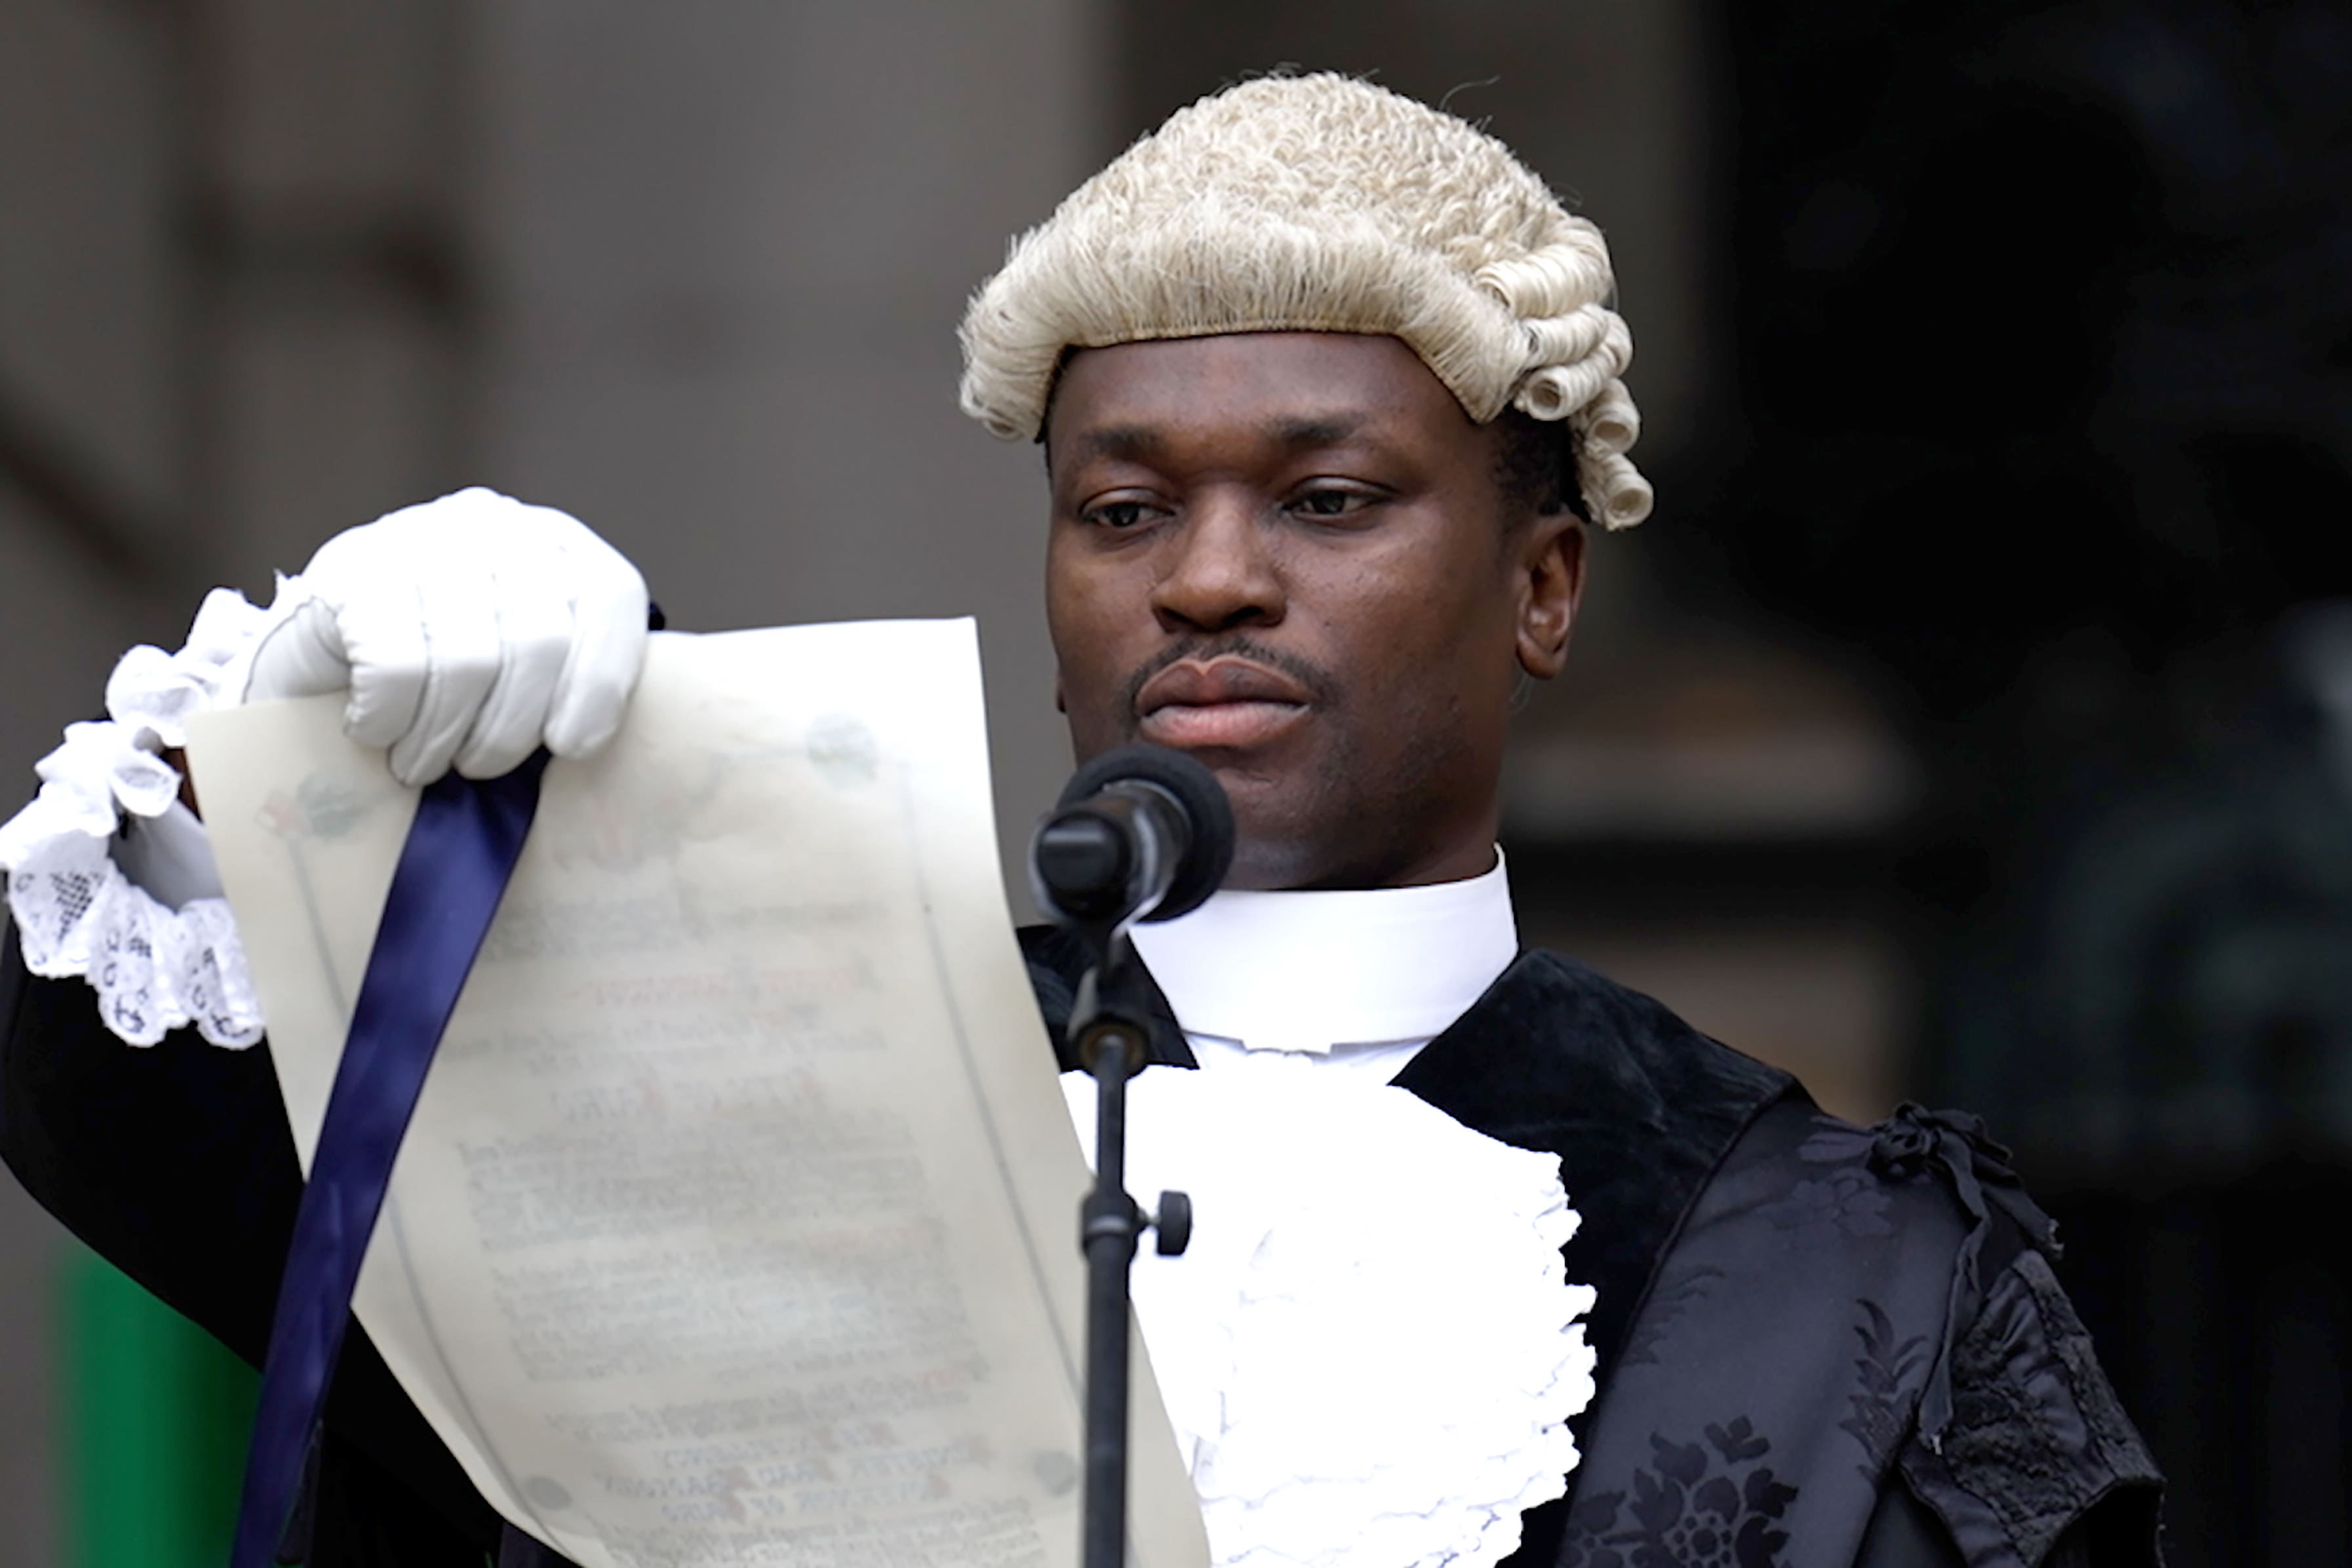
pixel 1336 1223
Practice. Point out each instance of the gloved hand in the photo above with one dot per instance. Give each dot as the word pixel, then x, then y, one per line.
pixel 469 629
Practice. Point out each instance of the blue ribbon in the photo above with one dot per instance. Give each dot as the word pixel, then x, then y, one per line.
pixel 452 871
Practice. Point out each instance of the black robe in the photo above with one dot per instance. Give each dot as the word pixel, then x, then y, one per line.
pixel 1775 1288
pixel 1779 1291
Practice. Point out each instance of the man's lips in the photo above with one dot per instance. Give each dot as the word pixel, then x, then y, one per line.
pixel 1226 702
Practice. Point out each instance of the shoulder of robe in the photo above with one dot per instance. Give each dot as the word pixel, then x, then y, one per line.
pixel 1553 1038
pixel 2021 1448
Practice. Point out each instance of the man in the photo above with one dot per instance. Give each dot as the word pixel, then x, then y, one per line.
pixel 1329 389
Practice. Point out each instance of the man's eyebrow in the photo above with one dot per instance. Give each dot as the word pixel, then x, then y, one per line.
pixel 1130 441
pixel 1304 434
pixel 1142 442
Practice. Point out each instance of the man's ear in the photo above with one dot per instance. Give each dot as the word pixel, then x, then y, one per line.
pixel 1550 569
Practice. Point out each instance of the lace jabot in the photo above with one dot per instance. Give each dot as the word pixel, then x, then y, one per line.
pixel 1368 1352
pixel 155 964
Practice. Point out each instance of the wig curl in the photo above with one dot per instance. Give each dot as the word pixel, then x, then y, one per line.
pixel 1324 203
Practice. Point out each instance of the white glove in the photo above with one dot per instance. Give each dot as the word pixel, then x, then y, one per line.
pixel 469 629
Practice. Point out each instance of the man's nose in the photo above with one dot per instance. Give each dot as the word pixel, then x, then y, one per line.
pixel 1219 573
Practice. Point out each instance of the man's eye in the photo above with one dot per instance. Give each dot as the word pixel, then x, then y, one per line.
pixel 1119 514
pixel 1328 502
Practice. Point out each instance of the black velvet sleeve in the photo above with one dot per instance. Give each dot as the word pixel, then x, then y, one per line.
pixel 173 1161
pixel 175 1164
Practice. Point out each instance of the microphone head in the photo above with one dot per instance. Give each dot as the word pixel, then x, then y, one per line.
pixel 1197 794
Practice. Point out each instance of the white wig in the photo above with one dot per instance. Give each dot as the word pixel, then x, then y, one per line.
pixel 1325 204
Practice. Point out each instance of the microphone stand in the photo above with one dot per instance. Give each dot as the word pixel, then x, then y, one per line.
pixel 1140 832
pixel 1110 1026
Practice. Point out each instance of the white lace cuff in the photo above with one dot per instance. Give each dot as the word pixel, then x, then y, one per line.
pixel 1369 1353
pixel 154 967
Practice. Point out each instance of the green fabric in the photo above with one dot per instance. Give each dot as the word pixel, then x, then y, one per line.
pixel 157 1414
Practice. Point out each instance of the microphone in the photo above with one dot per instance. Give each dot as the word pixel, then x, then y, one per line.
pixel 1142 833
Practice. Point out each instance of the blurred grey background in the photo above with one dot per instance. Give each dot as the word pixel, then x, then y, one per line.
pixel 1970 721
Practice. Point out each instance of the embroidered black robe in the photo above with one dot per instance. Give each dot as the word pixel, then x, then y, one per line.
pixel 1778 1294
pixel 1776 1289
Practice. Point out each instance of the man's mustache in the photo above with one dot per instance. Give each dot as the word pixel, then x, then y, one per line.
pixel 1318 682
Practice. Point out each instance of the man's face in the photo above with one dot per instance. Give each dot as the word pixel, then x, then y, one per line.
pixel 1287 553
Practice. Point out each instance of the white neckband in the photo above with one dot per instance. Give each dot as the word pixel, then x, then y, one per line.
pixel 1306 972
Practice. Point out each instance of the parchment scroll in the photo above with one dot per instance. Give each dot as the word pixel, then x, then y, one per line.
pixel 737 1222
